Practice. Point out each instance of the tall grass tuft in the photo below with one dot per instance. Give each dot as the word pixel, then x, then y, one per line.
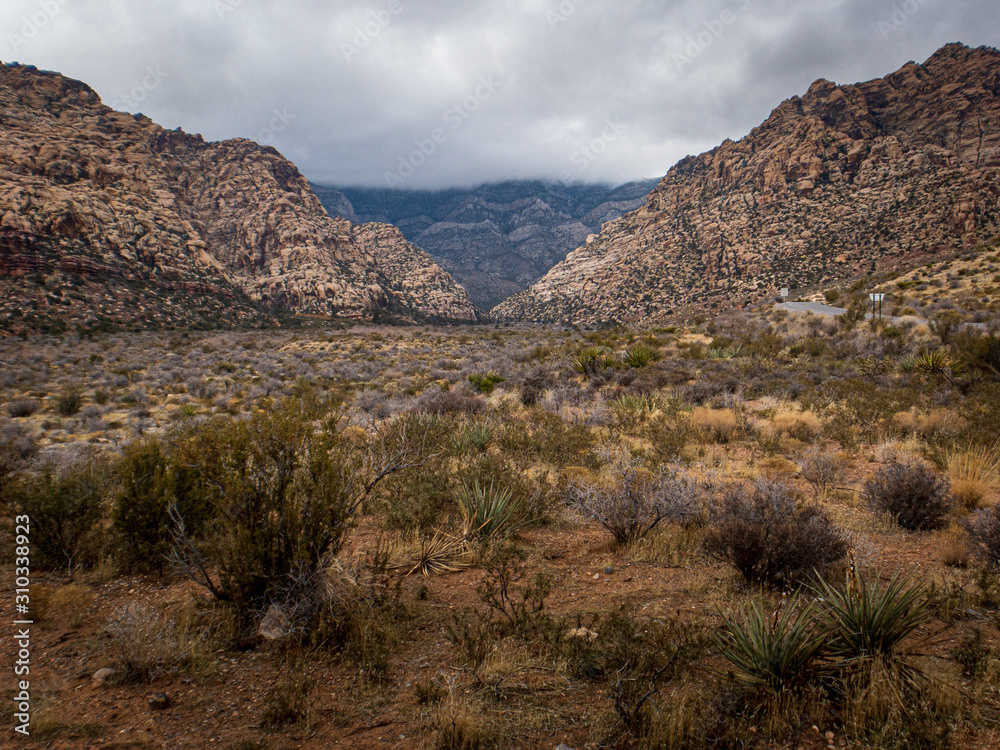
pixel 974 471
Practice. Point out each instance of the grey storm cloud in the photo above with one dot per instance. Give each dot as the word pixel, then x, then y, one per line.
pixel 435 93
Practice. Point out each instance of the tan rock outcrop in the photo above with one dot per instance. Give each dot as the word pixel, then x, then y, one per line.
pixel 89 193
pixel 843 181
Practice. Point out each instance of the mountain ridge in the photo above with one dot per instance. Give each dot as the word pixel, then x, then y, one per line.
pixel 841 181
pixel 166 211
pixel 497 238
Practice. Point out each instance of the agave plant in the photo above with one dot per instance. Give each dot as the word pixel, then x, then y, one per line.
pixel 777 651
pixel 593 359
pixel 488 513
pixel 870 620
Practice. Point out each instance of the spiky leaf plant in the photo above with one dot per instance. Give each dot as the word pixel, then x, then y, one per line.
pixel 488 513
pixel 776 651
pixel 869 619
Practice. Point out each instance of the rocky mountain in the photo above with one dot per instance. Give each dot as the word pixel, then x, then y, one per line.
pixel 495 239
pixel 838 183
pixel 108 219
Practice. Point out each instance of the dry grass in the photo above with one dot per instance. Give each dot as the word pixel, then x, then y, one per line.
pixel 71 603
pixel 974 472
pixel 714 425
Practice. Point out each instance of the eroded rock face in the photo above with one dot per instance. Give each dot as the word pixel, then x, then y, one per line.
pixel 88 193
pixel 841 182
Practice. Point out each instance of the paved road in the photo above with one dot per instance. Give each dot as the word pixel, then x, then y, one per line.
pixel 815 308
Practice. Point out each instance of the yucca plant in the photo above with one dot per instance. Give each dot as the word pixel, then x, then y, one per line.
pixel 640 355
pixel 777 651
pixel 936 362
pixel 869 620
pixel 437 555
pixel 480 435
pixel 593 359
pixel 488 513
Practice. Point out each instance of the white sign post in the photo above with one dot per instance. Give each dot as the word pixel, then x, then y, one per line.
pixel 876 298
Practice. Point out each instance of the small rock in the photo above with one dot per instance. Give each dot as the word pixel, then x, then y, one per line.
pixel 101 676
pixel 608 570
pixel 563 746
pixel 829 736
pixel 159 701
pixel 597 576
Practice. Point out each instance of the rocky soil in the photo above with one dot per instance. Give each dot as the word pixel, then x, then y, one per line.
pixel 842 182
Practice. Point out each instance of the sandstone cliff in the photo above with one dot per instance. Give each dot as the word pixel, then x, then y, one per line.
pixel 843 181
pixel 129 220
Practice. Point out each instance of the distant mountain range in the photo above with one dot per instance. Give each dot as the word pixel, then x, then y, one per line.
pixel 107 219
pixel 496 239
pixel 842 182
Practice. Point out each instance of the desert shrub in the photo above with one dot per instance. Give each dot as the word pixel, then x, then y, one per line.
pixel 515 599
pixel 147 643
pixel 714 425
pixel 485 383
pixel 147 482
pixel 822 469
pixel 23 407
pixel 912 494
pixel 417 498
pixel 973 470
pixel 640 355
pixel 65 511
pixel 68 403
pixel 769 538
pixel 17 446
pixel 70 604
pixel 459 725
pixel 984 534
pixel 451 401
pixel 637 501
pixel 668 435
pixel 284 496
pixel 979 353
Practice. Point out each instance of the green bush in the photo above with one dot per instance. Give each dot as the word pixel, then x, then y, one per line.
pixel 147 482
pixel 66 513
pixel 283 497
pixel 486 383
pixel 68 403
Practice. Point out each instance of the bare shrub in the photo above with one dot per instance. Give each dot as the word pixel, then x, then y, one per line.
pixel 769 538
pixel 23 407
pixel 912 494
pixel 984 533
pixel 147 643
pixel 450 402
pixel 638 500
pixel 822 469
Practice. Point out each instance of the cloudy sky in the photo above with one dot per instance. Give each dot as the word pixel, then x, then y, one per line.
pixel 438 93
